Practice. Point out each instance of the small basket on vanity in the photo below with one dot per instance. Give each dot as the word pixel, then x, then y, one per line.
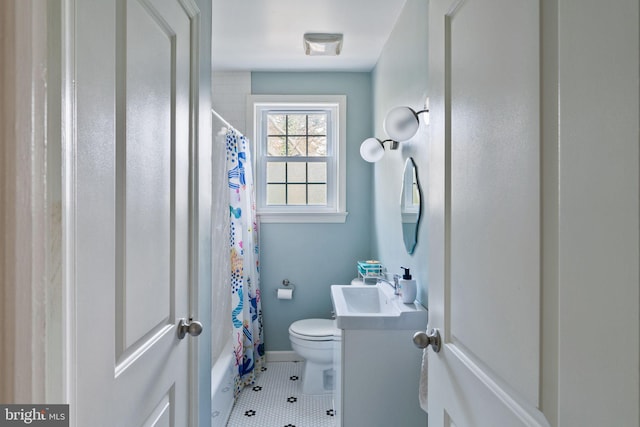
pixel 371 270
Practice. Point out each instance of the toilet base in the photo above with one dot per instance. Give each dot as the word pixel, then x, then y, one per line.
pixel 317 378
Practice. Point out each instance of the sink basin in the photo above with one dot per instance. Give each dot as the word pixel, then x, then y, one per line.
pixel 366 300
pixel 375 307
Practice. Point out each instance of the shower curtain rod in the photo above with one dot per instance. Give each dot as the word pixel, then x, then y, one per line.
pixel 223 120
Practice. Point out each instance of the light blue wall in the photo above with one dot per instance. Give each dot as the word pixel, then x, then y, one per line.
pixel 315 256
pixel 400 78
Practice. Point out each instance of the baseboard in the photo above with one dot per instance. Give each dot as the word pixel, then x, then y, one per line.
pixel 283 356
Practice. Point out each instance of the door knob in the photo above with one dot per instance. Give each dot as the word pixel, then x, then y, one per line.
pixel 191 327
pixel 431 338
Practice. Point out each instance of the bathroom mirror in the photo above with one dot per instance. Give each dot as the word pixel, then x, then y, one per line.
pixel 410 205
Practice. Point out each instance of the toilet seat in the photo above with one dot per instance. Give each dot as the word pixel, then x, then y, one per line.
pixel 313 329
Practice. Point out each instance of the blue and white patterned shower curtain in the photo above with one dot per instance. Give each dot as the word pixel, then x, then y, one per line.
pixel 246 315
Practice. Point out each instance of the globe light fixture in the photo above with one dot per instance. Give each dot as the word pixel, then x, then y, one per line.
pixel 402 123
pixel 372 149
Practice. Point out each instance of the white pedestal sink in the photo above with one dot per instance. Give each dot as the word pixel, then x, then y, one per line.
pixel 377 365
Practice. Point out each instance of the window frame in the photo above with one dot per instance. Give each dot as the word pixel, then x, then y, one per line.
pixel 335 210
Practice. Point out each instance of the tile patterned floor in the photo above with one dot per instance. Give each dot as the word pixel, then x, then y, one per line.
pixel 276 400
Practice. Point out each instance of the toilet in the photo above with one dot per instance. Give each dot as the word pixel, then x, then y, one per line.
pixel 312 339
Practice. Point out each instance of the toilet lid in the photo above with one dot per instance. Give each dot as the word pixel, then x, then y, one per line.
pixel 314 328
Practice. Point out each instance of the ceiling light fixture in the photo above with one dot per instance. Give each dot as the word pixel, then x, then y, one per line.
pixel 322 44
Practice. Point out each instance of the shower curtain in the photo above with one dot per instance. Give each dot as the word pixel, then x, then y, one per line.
pixel 246 316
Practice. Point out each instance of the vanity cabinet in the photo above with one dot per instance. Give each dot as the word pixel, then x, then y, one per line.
pixel 377 374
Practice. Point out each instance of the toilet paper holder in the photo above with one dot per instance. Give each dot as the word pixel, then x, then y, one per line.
pixel 287 285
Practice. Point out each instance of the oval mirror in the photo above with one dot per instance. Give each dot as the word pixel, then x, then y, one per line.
pixel 410 205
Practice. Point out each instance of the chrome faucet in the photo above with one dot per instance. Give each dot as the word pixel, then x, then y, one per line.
pixel 395 285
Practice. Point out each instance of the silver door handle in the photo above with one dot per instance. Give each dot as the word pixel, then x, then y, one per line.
pixel 191 327
pixel 431 338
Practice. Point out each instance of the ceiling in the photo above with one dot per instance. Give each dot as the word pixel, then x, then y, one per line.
pixel 266 35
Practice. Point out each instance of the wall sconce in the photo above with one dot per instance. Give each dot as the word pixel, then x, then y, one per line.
pixel 402 123
pixel 372 149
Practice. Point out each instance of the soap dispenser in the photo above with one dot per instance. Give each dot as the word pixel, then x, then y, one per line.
pixel 407 287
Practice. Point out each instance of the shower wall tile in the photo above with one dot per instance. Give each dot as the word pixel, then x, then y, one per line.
pixel 230 90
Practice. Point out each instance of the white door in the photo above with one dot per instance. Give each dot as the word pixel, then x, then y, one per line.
pixel 135 114
pixel 484 213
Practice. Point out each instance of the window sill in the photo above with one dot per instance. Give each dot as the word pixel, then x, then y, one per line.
pixel 302 218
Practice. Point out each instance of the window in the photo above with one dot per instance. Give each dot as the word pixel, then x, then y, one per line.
pixel 300 157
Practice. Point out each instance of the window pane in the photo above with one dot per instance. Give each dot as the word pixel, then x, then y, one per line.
pixel 276 146
pixel 318 146
pixel 317 172
pixel 297 194
pixel 317 124
pixel 297 124
pixel 317 194
pixel 276 124
pixel 297 172
pixel 276 172
pixel 297 146
pixel 276 194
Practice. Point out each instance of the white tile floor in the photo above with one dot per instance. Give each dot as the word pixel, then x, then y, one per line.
pixel 276 400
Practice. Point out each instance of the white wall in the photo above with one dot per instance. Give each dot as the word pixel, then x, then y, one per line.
pixel 598 189
pixel 400 78
pixel 590 185
pixel 29 259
